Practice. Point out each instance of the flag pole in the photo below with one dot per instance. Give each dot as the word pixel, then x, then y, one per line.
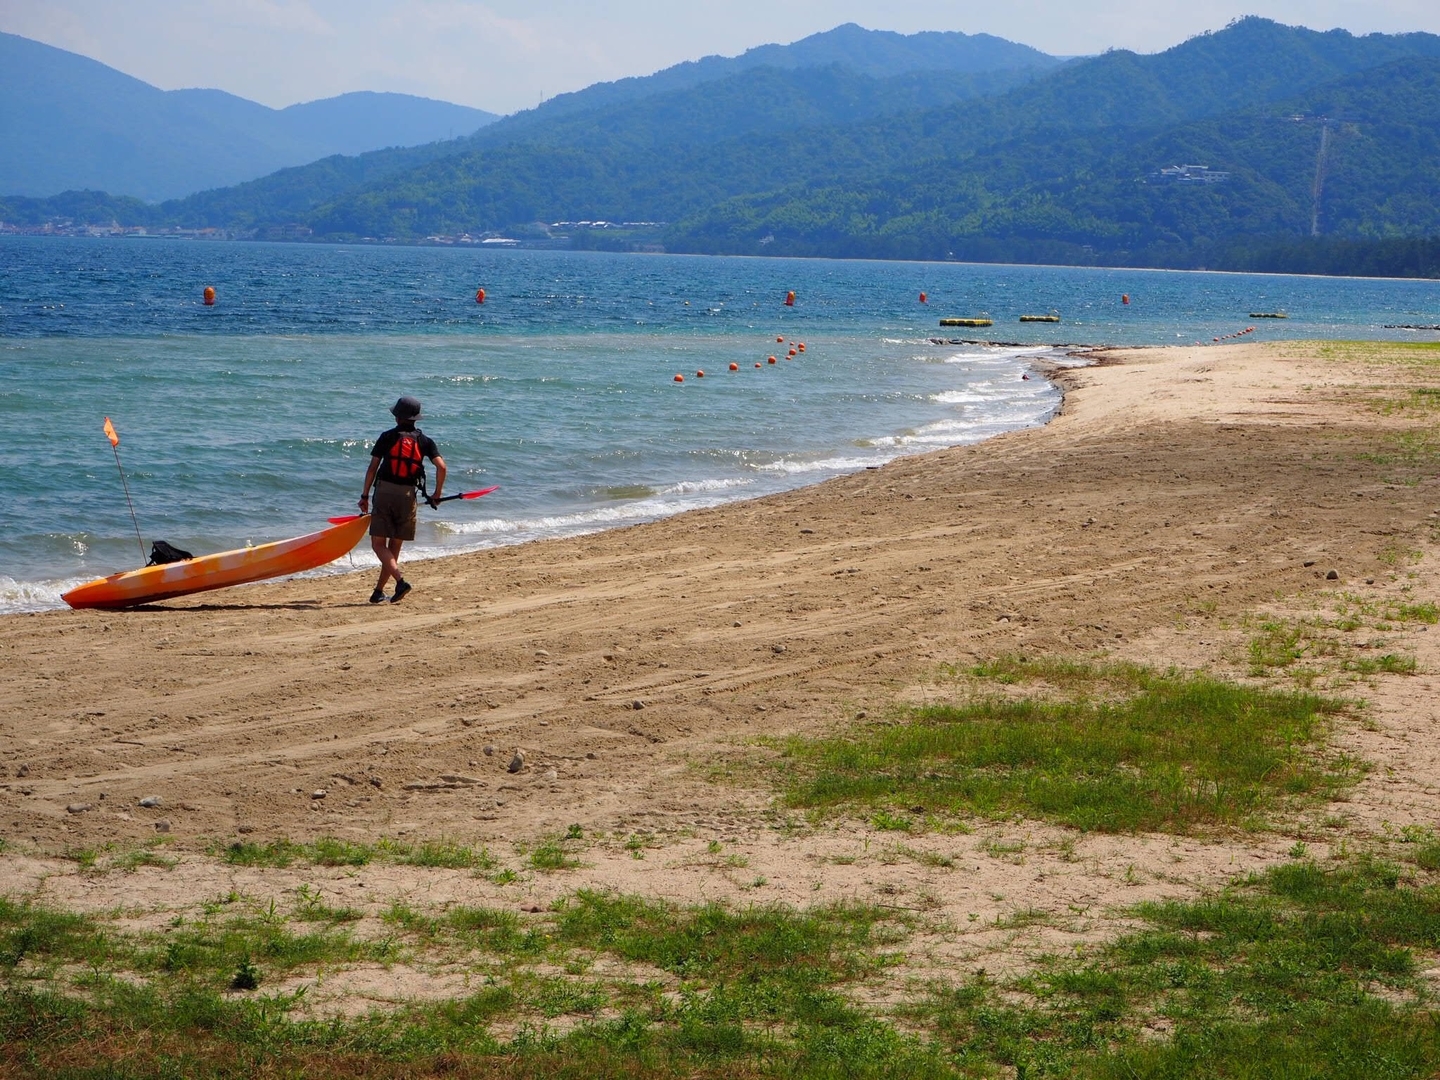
pixel 114 438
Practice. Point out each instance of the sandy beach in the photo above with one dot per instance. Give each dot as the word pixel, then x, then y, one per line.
pixel 1179 493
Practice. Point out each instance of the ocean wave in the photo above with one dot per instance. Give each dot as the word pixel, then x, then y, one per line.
pixel 19 597
pixel 835 464
pixel 602 517
pixel 959 397
pixel 695 487
pixel 998 353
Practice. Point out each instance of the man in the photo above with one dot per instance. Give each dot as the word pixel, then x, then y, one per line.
pixel 397 469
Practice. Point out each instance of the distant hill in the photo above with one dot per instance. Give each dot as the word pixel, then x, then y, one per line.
pixel 698 104
pixel 68 122
pixel 681 112
pixel 1064 170
pixel 621 168
pixel 878 54
pixel 1303 133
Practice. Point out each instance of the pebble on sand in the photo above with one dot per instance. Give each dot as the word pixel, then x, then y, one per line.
pixel 517 762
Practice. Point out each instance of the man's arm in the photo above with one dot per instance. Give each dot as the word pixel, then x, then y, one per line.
pixel 439 478
pixel 369 483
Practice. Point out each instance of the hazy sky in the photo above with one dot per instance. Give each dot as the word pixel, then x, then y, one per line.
pixel 503 56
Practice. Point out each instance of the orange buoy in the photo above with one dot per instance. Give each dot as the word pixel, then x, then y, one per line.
pixel 792 352
pixel 679 378
pixel 801 346
pixel 772 360
pixel 479 296
pixel 209 295
pixel 923 299
pixel 757 363
pixel 779 341
pixel 734 367
pixel 790 298
pixel 699 374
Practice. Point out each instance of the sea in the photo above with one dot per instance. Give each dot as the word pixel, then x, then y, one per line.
pixel 252 420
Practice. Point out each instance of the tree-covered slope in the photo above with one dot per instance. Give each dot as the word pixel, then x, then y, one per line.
pixel 1061 164
pixel 1098 196
pixel 879 54
pixel 669 156
pixel 655 159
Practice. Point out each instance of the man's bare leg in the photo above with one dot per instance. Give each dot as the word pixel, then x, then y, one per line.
pixel 387 550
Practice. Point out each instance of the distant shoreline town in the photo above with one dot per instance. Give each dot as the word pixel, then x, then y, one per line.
pixel 638 236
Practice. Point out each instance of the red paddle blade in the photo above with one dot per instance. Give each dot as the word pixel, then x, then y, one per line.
pixel 472 494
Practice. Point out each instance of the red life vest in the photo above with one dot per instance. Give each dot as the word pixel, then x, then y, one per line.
pixel 405 461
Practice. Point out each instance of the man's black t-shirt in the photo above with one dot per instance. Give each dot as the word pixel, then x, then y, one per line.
pixel 396 463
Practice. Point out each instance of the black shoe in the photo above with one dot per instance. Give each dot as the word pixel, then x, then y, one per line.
pixel 378 596
pixel 401 588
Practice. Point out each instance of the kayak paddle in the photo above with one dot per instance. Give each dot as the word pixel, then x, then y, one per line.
pixel 444 498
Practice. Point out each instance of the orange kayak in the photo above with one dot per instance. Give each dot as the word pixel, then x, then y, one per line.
pixel 150 583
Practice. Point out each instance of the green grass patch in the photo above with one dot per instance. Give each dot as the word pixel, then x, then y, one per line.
pixel 550 855
pixel 759 993
pixel 1164 752
pixel 1300 972
pixel 1388 664
pixel 1075 677
pixel 40 935
pixel 1307 970
pixel 1279 643
pixel 276 853
pixel 448 856
pixel 331 851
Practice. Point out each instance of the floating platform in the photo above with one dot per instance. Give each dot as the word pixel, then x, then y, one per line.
pixel 967 322
pixel 1268 315
pixel 1039 318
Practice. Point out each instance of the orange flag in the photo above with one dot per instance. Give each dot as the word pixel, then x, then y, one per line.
pixel 110 433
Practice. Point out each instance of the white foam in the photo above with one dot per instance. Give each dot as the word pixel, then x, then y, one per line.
pixel 695 487
pixel 630 512
pixel 18 597
pixel 837 465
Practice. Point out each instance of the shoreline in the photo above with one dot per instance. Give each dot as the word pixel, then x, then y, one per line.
pixel 46 591
pixel 1169 478
pixel 475 247
pixel 625 696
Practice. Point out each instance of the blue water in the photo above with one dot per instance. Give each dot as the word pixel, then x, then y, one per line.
pixel 252 420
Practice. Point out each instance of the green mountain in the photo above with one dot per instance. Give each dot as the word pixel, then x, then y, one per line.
pixel 878 54
pixel 1298 133
pixel 655 159
pixel 1069 190
pixel 70 122
pixel 680 156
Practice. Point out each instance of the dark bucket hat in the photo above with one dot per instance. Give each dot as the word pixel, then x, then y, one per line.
pixel 407 408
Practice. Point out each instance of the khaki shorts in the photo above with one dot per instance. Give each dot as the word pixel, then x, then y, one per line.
pixel 392 511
